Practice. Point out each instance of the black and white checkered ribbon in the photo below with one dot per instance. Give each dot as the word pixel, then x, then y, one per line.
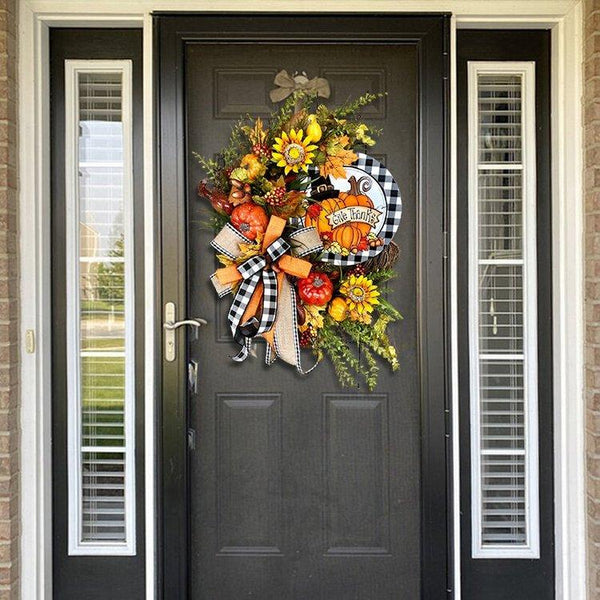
pixel 278 315
pixel 253 271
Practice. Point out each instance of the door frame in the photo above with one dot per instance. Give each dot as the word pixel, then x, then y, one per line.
pixel 430 36
pixel 563 17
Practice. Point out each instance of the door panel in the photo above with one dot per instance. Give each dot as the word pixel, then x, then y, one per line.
pixel 301 470
pixel 298 488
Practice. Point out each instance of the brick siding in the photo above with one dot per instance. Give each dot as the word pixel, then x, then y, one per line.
pixel 591 54
pixel 9 308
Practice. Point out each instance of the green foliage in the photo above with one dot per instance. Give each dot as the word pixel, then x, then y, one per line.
pixel 374 337
pixel 218 221
pixel 342 359
pixel 382 275
pixel 385 308
pixel 353 106
pixel 110 276
pixel 336 340
pixel 229 157
pixel 296 102
pixel 211 168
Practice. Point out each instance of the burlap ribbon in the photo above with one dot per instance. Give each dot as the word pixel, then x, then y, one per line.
pixel 287 84
pixel 265 302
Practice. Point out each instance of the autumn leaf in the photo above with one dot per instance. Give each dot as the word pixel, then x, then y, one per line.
pixel 347 156
pixel 343 141
pixel 314 317
pixel 334 164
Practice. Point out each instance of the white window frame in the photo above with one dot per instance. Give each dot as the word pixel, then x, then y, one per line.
pixel 526 72
pixel 76 546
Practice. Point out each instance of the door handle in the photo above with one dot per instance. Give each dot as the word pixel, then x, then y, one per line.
pixel 170 326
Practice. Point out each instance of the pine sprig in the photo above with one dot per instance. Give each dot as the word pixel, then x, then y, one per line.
pixel 335 339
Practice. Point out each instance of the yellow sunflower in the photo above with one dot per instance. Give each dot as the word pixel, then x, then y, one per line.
pixel 360 293
pixel 292 152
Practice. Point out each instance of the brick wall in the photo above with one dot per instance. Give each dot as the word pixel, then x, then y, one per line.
pixel 592 282
pixel 9 308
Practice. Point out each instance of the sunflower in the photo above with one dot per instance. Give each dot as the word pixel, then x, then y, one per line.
pixel 361 295
pixel 292 152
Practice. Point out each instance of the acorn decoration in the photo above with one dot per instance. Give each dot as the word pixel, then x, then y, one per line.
pixel 240 192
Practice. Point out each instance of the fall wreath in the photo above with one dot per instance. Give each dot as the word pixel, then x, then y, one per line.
pixel 304 222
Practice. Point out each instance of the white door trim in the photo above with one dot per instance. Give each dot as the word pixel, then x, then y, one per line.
pixel 564 17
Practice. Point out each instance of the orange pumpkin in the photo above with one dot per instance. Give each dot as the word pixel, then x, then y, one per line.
pixel 250 219
pixel 350 234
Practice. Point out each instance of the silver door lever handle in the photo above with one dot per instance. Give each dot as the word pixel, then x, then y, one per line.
pixel 172 325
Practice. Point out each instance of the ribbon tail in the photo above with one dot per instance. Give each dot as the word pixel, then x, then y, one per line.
pixel 269 302
pixel 242 355
pixel 236 314
pixel 286 340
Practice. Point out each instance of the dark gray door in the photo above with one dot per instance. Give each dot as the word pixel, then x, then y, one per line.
pixel 299 488
pixel 296 488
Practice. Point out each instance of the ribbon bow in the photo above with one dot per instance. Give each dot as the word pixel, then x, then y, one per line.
pixel 263 282
pixel 287 84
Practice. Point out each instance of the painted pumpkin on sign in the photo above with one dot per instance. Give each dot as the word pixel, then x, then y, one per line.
pixel 350 233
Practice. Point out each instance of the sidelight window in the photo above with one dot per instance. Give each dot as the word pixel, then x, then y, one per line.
pixel 503 310
pixel 100 317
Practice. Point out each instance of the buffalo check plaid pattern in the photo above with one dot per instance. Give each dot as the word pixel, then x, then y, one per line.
pixel 252 271
pixel 385 180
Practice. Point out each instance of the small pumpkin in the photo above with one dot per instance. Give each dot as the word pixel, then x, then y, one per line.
pixel 348 235
pixel 253 166
pixel 338 309
pixel 250 219
pixel 316 289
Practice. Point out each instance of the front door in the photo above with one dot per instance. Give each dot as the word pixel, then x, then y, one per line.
pixel 279 486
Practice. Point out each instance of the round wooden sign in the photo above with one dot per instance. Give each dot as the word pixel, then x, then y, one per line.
pixel 360 213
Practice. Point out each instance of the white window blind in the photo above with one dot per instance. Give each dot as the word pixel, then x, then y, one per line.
pixel 100 307
pixel 503 310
